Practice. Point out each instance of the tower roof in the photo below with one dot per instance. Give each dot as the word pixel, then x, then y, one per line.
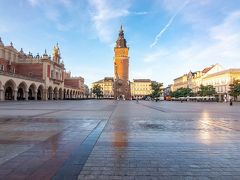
pixel 121 41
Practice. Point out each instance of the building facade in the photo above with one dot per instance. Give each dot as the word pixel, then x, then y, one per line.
pixel 27 77
pixel 140 88
pixel 214 75
pixel 166 92
pixel 221 81
pixel 106 86
pixel 121 68
pixel 180 82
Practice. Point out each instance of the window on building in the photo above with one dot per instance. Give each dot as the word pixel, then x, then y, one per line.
pixel 52 74
pixel 56 75
pixel 1 67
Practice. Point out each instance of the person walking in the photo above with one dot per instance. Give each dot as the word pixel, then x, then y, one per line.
pixel 230 103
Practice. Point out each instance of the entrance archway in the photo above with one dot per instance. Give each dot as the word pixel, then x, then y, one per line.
pixel 64 94
pixel 60 94
pixel 40 93
pixel 9 94
pixel 9 88
pixel 55 93
pixel 32 92
pixel 68 95
pixel 22 93
pixel 50 93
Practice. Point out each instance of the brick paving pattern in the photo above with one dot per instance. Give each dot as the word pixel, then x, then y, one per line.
pixel 119 140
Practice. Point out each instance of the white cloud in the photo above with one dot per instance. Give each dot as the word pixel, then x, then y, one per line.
pixel 34 2
pixel 197 13
pixel 58 16
pixel 156 55
pixel 140 13
pixel 104 13
pixel 221 45
pixel 66 3
pixel 143 74
pixel 52 14
pixel 159 35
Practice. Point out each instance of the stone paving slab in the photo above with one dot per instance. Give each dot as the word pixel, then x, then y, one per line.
pixel 145 140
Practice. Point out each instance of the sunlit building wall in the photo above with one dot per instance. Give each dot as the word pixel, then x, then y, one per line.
pixel 141 88
pixel 106 86
pixel 214 75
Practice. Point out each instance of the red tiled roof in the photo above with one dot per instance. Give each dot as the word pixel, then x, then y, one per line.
pixel 205 70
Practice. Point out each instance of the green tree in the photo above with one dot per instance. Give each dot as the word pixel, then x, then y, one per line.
pixel 181 92
pixel 208 90
pixel 235 89
pixel 97 90
pixel 156 89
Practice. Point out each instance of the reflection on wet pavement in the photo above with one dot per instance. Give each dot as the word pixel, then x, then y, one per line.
pixel 119 140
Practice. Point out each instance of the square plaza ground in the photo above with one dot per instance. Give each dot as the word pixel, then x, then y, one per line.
pixel 119 140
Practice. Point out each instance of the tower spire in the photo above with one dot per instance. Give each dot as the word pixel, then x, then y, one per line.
pixel 121 41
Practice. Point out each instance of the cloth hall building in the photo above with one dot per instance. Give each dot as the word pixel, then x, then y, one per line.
pixel 27 77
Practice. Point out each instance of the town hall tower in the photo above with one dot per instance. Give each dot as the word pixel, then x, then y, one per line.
pixel 121 68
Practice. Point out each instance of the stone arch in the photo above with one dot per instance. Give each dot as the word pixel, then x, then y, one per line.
pixel 64 94
pixel 68 94
pixel 60 93
pixel 22 91
pixel 9 90
pixel 55 93
pixel 1 91
pixel 40 92
pixel 71 94
pixel 32 91
pixel 50 93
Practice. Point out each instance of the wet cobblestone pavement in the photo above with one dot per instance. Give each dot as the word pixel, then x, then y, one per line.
pixel 119 140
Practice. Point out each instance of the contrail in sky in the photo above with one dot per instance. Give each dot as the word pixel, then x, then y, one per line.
pixel 169 23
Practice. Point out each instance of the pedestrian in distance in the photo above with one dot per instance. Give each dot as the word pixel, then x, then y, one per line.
pixel 230 103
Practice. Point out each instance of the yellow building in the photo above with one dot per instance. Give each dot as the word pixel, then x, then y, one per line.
pixel 141 88
pixel 106 86
pixel 197 78
pixel 221 81
pixel 193 80
pixel 180 82
pixel 214 75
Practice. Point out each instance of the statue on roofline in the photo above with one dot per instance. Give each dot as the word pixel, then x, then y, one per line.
pixel 56 54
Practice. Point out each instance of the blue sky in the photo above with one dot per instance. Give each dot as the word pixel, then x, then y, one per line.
pixel 167 38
